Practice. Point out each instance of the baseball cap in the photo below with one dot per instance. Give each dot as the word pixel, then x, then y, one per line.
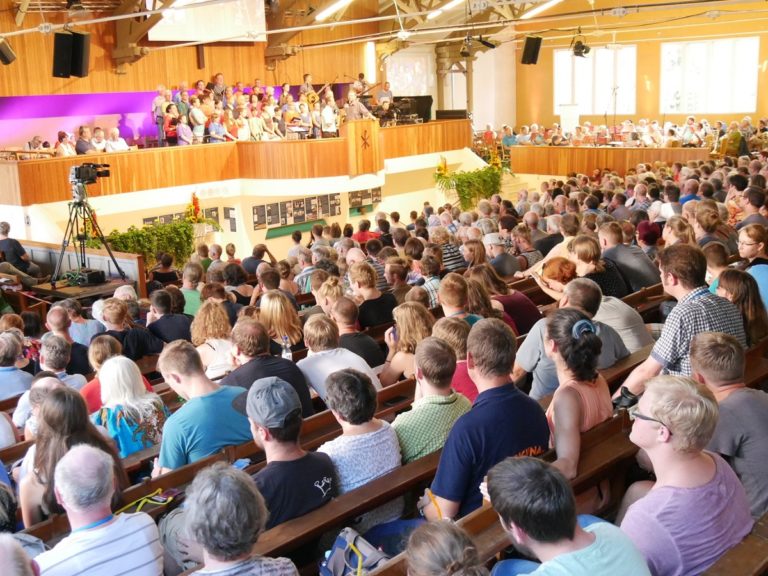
pixel 269 402
pixel 493 239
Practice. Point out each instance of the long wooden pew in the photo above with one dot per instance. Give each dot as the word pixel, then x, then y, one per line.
pixel 316 430
pixel 748 558
pixel 606 453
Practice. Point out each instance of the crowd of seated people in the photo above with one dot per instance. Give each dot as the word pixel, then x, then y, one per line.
pixel 254 347
pixel 218 112
pixel 733 138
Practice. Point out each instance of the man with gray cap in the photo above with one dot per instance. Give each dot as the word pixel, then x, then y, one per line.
pixel 294 481
pixel 502 261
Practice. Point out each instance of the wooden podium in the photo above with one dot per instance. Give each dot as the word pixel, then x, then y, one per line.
pixel 363 148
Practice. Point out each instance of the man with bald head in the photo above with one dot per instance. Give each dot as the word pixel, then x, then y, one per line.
pixel 58 322
pixel 690 191
pixel 217 264
pixel 531 220
pixel 553 236
pixel 100 542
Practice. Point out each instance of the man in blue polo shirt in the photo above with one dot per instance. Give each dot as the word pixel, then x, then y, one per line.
pixel 503 422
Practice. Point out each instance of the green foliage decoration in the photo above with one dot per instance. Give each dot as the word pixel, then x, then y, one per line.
pixel 470 187
pixel 176 238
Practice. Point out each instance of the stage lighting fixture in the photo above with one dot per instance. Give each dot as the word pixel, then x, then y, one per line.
pixel 465 48
pixel 580 49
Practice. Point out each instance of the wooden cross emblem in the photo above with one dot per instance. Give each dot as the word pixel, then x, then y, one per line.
pixel 364 137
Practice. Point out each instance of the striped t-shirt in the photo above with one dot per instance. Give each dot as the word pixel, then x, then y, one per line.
pixel 127 546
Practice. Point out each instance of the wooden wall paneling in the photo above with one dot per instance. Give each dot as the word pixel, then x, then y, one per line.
pixel 10 191
pixel 294 159
pixel 43 181
pixel 327 63
pixel 412 139
pixel 363 147
pixel 30 74
pixel 562 160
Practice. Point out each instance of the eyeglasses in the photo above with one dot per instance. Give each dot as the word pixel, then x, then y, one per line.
pixel 743 243
pixel 642 416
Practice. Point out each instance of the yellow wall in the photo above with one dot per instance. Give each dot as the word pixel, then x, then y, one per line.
pixel 535 83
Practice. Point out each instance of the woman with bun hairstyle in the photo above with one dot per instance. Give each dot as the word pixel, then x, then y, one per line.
pixel 442 549
pixel 582 399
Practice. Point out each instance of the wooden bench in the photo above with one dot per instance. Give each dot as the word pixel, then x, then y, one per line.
pixel 606 453
pixel 616 374
pixel 9 404
pixel 532 290
pixel 647 302
pixel 749 557
pixel 292 534
pixel 316 430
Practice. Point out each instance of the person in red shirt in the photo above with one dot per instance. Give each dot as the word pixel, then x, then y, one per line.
pixel 364 233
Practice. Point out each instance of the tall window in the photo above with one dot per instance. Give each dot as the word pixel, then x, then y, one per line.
pixel 709 76
pixel 604 82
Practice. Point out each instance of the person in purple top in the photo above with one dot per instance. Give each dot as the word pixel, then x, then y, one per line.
pixel 697 509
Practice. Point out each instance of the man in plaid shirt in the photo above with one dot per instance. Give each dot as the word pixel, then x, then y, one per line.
pixel 698 310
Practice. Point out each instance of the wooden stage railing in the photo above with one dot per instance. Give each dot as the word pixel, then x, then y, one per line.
pixel 560 160
pixel 364 150
pixel 41 181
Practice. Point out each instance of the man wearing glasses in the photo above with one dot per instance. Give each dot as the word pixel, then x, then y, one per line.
pixel 683 269
pixel 697 508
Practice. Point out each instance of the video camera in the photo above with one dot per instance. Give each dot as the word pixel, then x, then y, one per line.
pixel 88 173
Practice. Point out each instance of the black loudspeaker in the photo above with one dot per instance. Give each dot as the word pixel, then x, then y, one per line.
pixel 7 55
pixel 62 55
pixel 71 54
pixel 531 50
pixel 81 52
pixel 451 115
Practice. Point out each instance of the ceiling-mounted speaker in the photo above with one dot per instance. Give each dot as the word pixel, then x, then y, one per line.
pixel 7 55
pixel 81 54
pixel 71 54
pixel 62 55
pixel 531 50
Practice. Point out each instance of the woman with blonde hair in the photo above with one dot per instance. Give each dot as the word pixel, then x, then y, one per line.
pixel 133 417
pixel 330 290
pixel 474 253
pixel 586 255
pixel 706 224
pixel 285 270
pixel 210 334
pixel 102 348
pixel 442 549
pixel 678 230
pixel 413 323
pixel 527 254
pixel 282 322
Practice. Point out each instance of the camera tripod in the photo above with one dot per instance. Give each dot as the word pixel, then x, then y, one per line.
pixel 80 212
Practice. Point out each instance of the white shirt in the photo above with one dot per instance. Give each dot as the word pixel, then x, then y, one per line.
pixel 328 123
pixel 318 365
pixel 128 546
pixel 118 145
pixel 24 409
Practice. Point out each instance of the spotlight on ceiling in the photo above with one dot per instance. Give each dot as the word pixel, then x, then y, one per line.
pixel 580 49
pixel 486 43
